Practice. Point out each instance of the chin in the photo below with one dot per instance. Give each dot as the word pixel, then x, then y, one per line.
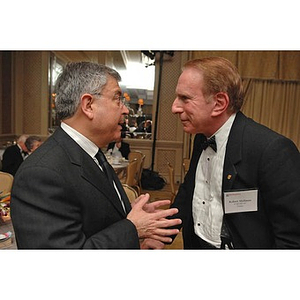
pixel 117 135
pixel 187 129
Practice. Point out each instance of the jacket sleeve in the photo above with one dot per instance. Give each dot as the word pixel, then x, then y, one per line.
pixel 280 190
pixel 47 213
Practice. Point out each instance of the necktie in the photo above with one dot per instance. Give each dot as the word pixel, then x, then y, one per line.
pixel 24 154
pixel 112 178
pixel 105 165
pixel 211 143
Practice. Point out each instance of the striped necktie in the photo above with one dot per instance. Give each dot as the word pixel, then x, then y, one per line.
pixel 113 178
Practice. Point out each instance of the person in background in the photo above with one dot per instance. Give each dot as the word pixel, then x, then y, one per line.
pixel 145 126
pixel 32 143
pixel 14 155
pixel 77 201
pixel 119 148
pixel 242 189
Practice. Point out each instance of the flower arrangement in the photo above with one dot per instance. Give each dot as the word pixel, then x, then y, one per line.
pixel 4 204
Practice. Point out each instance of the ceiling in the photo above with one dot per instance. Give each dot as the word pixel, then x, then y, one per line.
pixel 121 60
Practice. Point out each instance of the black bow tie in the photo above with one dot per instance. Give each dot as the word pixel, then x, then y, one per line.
pixel 24 154
pixel 211 143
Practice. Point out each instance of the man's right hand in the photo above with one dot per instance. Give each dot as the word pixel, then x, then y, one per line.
pixel 151 222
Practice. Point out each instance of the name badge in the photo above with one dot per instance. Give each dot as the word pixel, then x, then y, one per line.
pixel 240 201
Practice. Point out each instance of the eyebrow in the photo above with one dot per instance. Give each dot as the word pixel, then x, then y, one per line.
pixel 118 92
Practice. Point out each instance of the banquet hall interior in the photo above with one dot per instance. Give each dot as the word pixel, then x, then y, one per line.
pixel 27 99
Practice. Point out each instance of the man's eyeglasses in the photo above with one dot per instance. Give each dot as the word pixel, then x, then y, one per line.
pixel 120 100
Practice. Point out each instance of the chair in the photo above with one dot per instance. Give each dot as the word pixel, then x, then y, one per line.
pixel 172 181
pixel 130 192
pixel 136 154
pixel 185 165
pixel 130 176
pixel 6 182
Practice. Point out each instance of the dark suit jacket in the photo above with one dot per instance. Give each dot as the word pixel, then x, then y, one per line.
pixel 61 199
pixel 256 157
pixel 12 159
pixel 124 149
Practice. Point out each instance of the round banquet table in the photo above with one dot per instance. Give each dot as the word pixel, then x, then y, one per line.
pixel 120 168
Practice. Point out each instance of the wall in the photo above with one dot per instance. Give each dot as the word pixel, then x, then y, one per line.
pixel 275 65
pixel 169 145
pixel 24 95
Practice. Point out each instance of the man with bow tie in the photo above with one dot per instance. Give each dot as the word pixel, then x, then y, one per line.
pixel 14 155
pixel 242 189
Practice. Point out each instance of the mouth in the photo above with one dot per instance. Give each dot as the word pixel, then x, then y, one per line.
pixel 121 126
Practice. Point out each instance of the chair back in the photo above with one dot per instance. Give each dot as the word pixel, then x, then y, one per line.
pixel 131 175
pixel 172 181
pixel 185 165
pixel 140 157
pixel 6 182
pixel 131 172
pixel 130 192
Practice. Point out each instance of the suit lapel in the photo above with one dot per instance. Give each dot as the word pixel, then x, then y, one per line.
pixel 91 172
pixel 233 153
pixel 88 168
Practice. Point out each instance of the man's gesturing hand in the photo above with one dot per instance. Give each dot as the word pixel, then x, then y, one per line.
pixel 152 223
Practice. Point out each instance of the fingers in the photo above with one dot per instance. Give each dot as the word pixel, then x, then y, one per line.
pixel 165 232
pixel 141 200
pixel 162 239
pixel 165 213
pixel 159 203
pixel 165 223
pixel 161 230
pixel 152 244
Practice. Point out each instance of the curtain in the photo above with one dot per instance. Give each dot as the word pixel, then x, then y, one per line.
pixel 275 104
pixel 272 83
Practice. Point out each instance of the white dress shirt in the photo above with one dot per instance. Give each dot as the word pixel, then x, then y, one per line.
pixel 207 198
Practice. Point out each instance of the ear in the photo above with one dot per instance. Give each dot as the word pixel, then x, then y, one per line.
pixel 221 103
pixel 86 105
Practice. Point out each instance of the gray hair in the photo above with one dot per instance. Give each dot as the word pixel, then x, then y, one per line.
pixel 30 141
pixel 77 79
pixel 22 138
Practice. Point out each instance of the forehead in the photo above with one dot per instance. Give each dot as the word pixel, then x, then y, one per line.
pixel 190 80
pixel 111 86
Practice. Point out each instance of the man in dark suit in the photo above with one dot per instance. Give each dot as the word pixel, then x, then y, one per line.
pixel 242 189
pixel 65 195
pixel 119 145
pixel 14 155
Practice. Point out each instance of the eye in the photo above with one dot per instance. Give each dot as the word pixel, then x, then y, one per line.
pixel 183 98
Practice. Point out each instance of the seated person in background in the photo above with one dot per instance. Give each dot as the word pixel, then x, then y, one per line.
pixel 32 143
pixel 145 126
pixel 14 155
pixel 119 147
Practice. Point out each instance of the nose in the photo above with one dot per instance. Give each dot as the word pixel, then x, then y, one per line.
pixel 125 110
pixel 176 108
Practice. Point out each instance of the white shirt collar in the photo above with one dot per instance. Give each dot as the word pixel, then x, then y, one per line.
pixel 222 133
pixel 87 145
